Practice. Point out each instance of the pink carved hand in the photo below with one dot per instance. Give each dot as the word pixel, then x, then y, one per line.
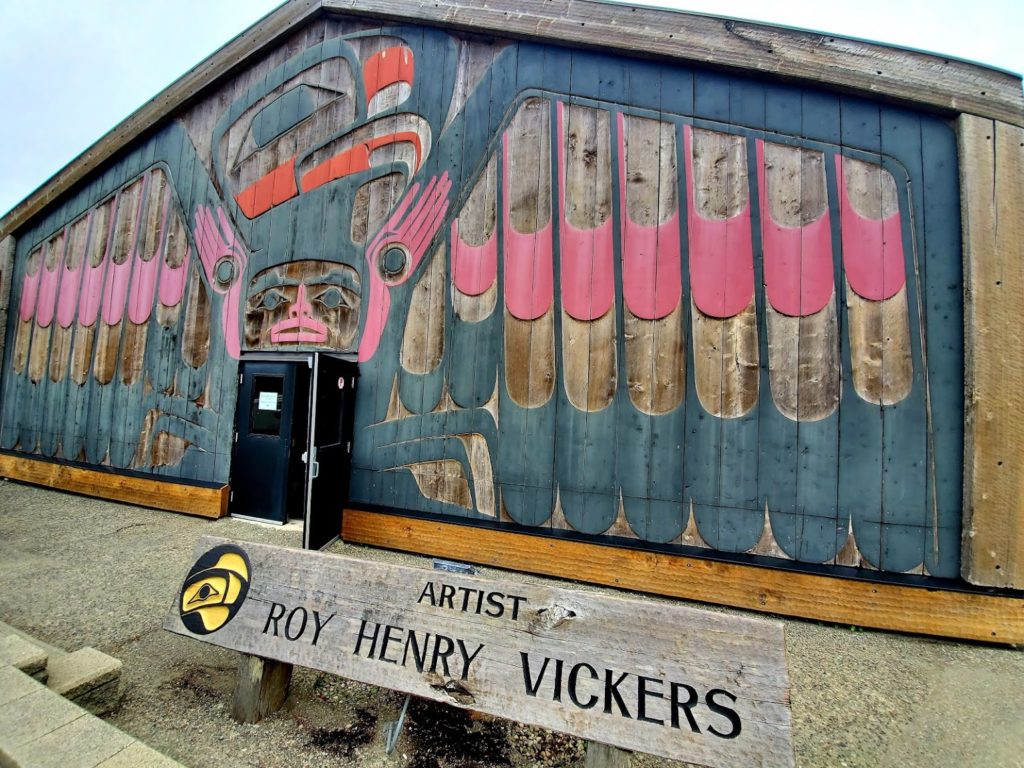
pixel 410 229
pixel 224 259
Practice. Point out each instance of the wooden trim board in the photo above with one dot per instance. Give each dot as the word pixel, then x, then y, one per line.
pixel 856 66
pixel 968 616
pixel 992 215
pixel 145 492
pixel 834 61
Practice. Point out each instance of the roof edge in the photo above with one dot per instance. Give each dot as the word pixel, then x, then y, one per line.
pixel 938 83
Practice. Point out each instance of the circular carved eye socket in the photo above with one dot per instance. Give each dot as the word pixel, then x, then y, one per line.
pixel 331 298
pixel 393 262
pixel 271 300
pixel 224 271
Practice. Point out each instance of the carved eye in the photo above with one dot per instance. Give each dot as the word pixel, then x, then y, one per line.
pixel 205 592
pixel 224 271
pixel 332 298
pixel 393 262
pixel 272 300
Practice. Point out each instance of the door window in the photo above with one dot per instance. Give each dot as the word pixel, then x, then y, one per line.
pixel 265 408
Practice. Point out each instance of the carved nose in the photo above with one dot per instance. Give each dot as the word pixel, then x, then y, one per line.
pixel 301 306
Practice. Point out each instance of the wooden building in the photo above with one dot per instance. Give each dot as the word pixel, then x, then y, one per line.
pixel 665 301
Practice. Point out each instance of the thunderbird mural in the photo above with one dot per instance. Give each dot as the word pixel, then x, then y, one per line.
pixel 608 296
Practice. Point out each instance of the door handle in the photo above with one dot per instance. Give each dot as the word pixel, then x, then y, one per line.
pixel 314 470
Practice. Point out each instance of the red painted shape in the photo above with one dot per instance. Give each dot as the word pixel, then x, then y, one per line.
pixel 143 288
pixel 30 291
pixel 115 291
pixel 172 281
pixel 390 66
pixel 721 253
pixel 50 279
pixel 587 255
pixel 91 295
pixel 216 240
pixel 872 248
pixel 652 282
pixel 529 259
pixel 474 267
pixel 357 159
pixel 344 163
pixel 797 260
pixel 70 286
pixel 270 190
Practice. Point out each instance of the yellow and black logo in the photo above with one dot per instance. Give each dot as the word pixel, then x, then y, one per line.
pixel 214 589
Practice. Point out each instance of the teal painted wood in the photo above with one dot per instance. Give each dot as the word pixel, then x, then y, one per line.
pixel 896 471
pixel 471 386
pixel 101 423
pixel 741 517
pixel 421 392
pixel 633 430
pixel 800 493
pixel 527 488
pixel 127 406
pixel 905 462
pixel 943 287
pixel 585 441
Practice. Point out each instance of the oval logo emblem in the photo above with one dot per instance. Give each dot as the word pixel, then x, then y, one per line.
pixel 214 589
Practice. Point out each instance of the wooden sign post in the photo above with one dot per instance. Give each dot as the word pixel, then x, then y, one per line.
pixel 647 676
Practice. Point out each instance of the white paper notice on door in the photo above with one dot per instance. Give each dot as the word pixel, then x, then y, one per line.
pixel 267 401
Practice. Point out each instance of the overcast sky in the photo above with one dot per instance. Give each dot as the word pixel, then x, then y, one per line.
pixel 70 71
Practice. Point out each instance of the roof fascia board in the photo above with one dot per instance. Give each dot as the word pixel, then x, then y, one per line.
pixel 942 84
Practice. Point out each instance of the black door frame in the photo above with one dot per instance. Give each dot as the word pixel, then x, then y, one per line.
pixel 308 452
pixel 271 500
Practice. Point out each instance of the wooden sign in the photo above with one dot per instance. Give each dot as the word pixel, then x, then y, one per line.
pixel 653 677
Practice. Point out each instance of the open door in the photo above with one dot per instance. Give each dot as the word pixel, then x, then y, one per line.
pixel 332 403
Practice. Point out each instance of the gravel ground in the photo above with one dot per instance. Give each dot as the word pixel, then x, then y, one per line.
pixel 76 571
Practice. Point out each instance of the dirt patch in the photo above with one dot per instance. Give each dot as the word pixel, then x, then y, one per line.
pixel 204 682
pixel 343 741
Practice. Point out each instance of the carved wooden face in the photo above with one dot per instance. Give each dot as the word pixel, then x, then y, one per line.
pixel 303 304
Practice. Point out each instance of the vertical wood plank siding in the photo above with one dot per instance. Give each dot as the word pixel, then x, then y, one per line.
pixel 992 194
pixel 633 286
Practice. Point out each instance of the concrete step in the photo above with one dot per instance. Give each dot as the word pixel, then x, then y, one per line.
pixel 39 728
pixel 24 655
pixel 88 677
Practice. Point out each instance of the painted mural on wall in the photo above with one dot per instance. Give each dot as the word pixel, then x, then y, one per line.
pixel 614 297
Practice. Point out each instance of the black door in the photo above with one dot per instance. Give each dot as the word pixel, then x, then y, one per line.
pixel 266 467
pixel 330 448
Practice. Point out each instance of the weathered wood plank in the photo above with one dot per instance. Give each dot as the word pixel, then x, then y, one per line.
pixel 146 492
pixel 965 615
pixel 7 247
pixel 803 346
pixel 725 347
pixel 854 65
pixel 260 688
pixel 604 756
pixel 669 680
pixel 992 210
